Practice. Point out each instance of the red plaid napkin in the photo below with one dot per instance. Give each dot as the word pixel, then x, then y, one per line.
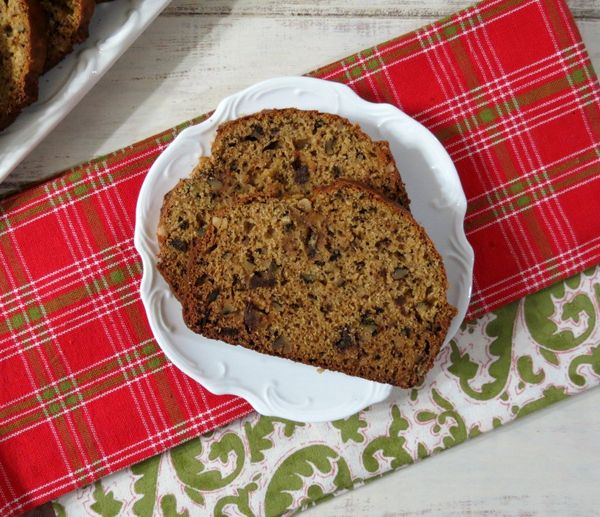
pixel 506 86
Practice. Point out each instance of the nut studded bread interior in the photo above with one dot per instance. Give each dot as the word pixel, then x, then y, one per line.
pixel 22 55
pixel 341 278
pixel 275 152
pixel 291 150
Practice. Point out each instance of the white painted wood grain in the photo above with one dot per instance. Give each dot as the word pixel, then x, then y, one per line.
pixel 374 8
pixel 199 51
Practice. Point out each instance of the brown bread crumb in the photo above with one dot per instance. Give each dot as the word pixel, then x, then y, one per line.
pixel 356 314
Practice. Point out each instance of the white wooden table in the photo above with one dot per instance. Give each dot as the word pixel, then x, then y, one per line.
pixel 195 53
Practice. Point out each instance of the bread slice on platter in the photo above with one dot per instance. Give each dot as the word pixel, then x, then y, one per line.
pixel 340 278
pixel 23 41
pixel 274 152
pixel 68 22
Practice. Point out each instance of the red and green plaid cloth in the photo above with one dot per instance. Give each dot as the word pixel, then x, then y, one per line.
pixel 506 86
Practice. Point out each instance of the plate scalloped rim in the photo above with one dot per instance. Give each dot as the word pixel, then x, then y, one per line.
pixel 279 387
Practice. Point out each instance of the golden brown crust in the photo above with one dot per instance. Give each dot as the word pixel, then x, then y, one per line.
pixel 344 279
pixel 39 42
pixel 53 28
pixel 173 238
pixel 87 11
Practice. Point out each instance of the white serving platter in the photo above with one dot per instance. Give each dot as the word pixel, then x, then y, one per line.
pixel 275 386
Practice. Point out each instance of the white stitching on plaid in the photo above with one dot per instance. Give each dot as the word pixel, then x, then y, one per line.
pixel 11 496
pixel 565 228
pixel 189 394
pixel 531 287
pixel 370 80
pixel 75 373
pixel 532 112
pixel 485 88
pixel 531 189
pixel 92 382
pixel 467 13
pixel 519 131
pixel 65 364
pixel 535 171
pixel 127 456
pixel 75 201
pixel 89 276
pixel 68 238
pixel 426 32
pixel 529 152
pixel 461 107
pixel 594 82
pixel 540 201
pixel 115 205
pixel 527 145
pixel 27 366
pixel 61 275
pixel 118 204
pixel 85 317
pixel 119 165
pixel 508 95
pixel 518 253
pixel 488 87
pixel 592 243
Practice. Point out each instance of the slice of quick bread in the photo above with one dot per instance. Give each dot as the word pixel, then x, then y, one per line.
pixel 68 22
pixel 23 39
pixel 341 278
pixel 275 152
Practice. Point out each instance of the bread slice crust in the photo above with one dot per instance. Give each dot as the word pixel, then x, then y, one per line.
pixel 68 24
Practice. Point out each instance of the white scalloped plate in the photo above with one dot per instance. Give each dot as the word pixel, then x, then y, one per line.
pixel 114 27
pixel 274 386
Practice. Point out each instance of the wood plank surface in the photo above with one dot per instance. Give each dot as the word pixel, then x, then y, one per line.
pixel 343 8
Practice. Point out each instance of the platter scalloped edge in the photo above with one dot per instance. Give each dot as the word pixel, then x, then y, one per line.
pixel 279 387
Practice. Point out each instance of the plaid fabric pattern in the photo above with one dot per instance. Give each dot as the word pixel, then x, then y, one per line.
pixel 506 86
